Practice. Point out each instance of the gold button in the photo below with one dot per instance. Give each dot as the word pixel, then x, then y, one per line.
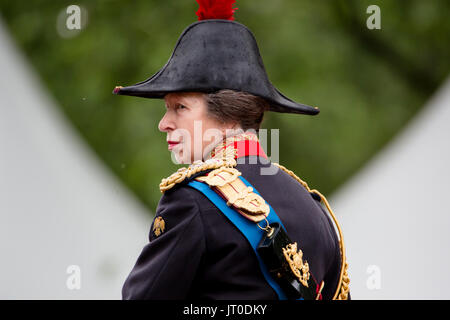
pixel 159 226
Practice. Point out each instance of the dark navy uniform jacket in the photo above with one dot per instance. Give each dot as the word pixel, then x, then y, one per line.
pixel 202 255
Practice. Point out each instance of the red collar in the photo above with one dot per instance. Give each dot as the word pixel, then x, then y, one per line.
pixel 245 144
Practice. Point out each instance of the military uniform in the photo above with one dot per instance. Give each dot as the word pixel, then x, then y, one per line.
pixel 195 249
pixel 194 252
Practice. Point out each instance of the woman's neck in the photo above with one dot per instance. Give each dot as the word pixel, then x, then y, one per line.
pixel 222 148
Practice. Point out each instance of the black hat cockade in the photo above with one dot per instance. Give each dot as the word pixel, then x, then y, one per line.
pixel 215 53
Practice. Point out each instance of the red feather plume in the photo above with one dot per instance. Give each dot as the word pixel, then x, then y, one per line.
pixel 215 9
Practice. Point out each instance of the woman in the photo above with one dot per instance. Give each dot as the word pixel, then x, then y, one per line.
pixel 194 115
pixel 230 225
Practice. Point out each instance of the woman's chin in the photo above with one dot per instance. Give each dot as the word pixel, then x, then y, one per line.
pixel 178 156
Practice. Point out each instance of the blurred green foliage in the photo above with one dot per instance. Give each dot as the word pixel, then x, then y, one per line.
pixel 367 83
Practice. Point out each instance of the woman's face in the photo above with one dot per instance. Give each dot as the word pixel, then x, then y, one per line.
pixel 191 132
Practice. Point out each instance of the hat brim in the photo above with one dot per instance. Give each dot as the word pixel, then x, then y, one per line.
pixel 211 55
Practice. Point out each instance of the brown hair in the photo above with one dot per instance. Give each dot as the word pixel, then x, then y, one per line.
pixel 229 106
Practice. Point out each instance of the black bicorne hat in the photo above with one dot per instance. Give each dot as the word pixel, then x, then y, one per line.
pixel 211 55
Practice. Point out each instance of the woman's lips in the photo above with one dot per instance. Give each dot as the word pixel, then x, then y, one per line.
pixel 172 144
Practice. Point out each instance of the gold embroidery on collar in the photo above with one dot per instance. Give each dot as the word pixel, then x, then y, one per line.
pixel 228 143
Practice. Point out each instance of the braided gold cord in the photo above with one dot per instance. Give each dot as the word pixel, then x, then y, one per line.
pixel 181 174
pixel 344 280
pixel 223 155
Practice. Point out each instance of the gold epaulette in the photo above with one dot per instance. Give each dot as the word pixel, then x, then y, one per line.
pixel 344 280
pixel 236 193
pixel 186 172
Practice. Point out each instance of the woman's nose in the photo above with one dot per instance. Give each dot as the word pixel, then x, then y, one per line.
pixel 166 124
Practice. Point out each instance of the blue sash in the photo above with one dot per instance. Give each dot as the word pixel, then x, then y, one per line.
pixel 248 228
